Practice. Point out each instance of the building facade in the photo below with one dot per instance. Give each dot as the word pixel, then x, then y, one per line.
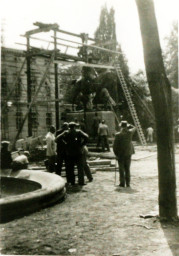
pixel 14 96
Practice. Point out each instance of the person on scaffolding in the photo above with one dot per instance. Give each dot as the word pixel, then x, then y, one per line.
pixel 123 150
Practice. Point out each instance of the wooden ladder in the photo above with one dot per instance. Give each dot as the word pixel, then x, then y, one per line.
pixel 131 105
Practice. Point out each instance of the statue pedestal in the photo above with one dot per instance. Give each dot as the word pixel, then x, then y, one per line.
pixel 108 116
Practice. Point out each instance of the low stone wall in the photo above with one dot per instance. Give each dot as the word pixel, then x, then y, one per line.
pixel 52 190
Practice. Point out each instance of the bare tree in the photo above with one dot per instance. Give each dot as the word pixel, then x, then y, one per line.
pixel 160 89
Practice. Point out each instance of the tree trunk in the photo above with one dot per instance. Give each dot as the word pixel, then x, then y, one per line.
pixel 161 97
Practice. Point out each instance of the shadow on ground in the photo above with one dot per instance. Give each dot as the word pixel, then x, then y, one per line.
pixel 126 190
pixel 73 189
pixel 171 232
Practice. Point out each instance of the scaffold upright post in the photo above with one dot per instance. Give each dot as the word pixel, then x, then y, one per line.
pixel 29 91
pixel 56 83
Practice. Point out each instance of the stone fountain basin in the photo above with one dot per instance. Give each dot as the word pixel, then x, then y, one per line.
pixel 27 191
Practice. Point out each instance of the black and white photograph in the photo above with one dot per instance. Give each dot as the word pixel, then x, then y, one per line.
pixel 89 128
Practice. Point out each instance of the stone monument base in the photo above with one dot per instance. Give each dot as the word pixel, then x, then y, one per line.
pixel 108 116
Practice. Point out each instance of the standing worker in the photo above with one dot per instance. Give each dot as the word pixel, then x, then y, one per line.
pixel 61 149
pixel 150 132
pixel 123 150
pixel 103 133
pixel 51 149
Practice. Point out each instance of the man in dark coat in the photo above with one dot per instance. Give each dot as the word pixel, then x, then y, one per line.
pixel 61 149
pixel 6 159
pixel 74 140
pixel 123 149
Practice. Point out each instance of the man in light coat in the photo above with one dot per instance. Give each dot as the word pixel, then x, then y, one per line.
pixel 51 149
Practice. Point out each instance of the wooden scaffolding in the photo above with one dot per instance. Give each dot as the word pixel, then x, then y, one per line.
pixel 56 56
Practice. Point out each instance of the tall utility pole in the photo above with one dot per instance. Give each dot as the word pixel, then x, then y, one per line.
pixel 56 83
pixel 29 91
pixel 160 89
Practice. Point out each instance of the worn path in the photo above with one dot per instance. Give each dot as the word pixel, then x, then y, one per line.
pixel 100 219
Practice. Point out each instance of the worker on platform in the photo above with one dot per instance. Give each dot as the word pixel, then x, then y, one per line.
pixel 103 132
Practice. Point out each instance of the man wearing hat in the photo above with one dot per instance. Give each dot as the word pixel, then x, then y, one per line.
pixel 123 149
pixel 61 149
pixel 74 140
pixel 6 159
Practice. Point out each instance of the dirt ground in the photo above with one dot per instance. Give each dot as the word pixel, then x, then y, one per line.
pixel 100 219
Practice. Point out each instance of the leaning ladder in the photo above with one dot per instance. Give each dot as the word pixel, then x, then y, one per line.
pixel 131 105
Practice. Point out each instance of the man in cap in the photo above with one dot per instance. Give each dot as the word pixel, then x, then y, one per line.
pixel 123 149
pixel 61 149
pixel 75 140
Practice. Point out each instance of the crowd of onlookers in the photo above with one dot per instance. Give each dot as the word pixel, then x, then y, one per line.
pixel 67 148
pixel 67 151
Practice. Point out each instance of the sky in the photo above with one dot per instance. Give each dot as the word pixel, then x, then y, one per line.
pixel 82 16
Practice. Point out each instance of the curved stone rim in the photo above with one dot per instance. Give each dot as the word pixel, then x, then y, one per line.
pixel 53 190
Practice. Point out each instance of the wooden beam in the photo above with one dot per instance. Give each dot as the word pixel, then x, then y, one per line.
pixel 56 83
pixel 68 46
pixel 84 64
pixel 93 46
pixel 73 34
pixel 42 29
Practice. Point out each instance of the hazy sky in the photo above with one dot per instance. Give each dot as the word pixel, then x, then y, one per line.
pixel 78 16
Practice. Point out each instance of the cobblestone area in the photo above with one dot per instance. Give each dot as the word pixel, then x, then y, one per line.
pixel 98 219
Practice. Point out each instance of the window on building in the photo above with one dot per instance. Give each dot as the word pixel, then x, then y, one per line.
pixel 18 119
pixel 3 85
pixel 48 90
pixel 33 84
pixel 4 127
pixel 18 88
pixel 34 120
pixel 48 119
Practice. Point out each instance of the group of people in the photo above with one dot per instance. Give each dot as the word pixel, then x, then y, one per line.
pixel 68 146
